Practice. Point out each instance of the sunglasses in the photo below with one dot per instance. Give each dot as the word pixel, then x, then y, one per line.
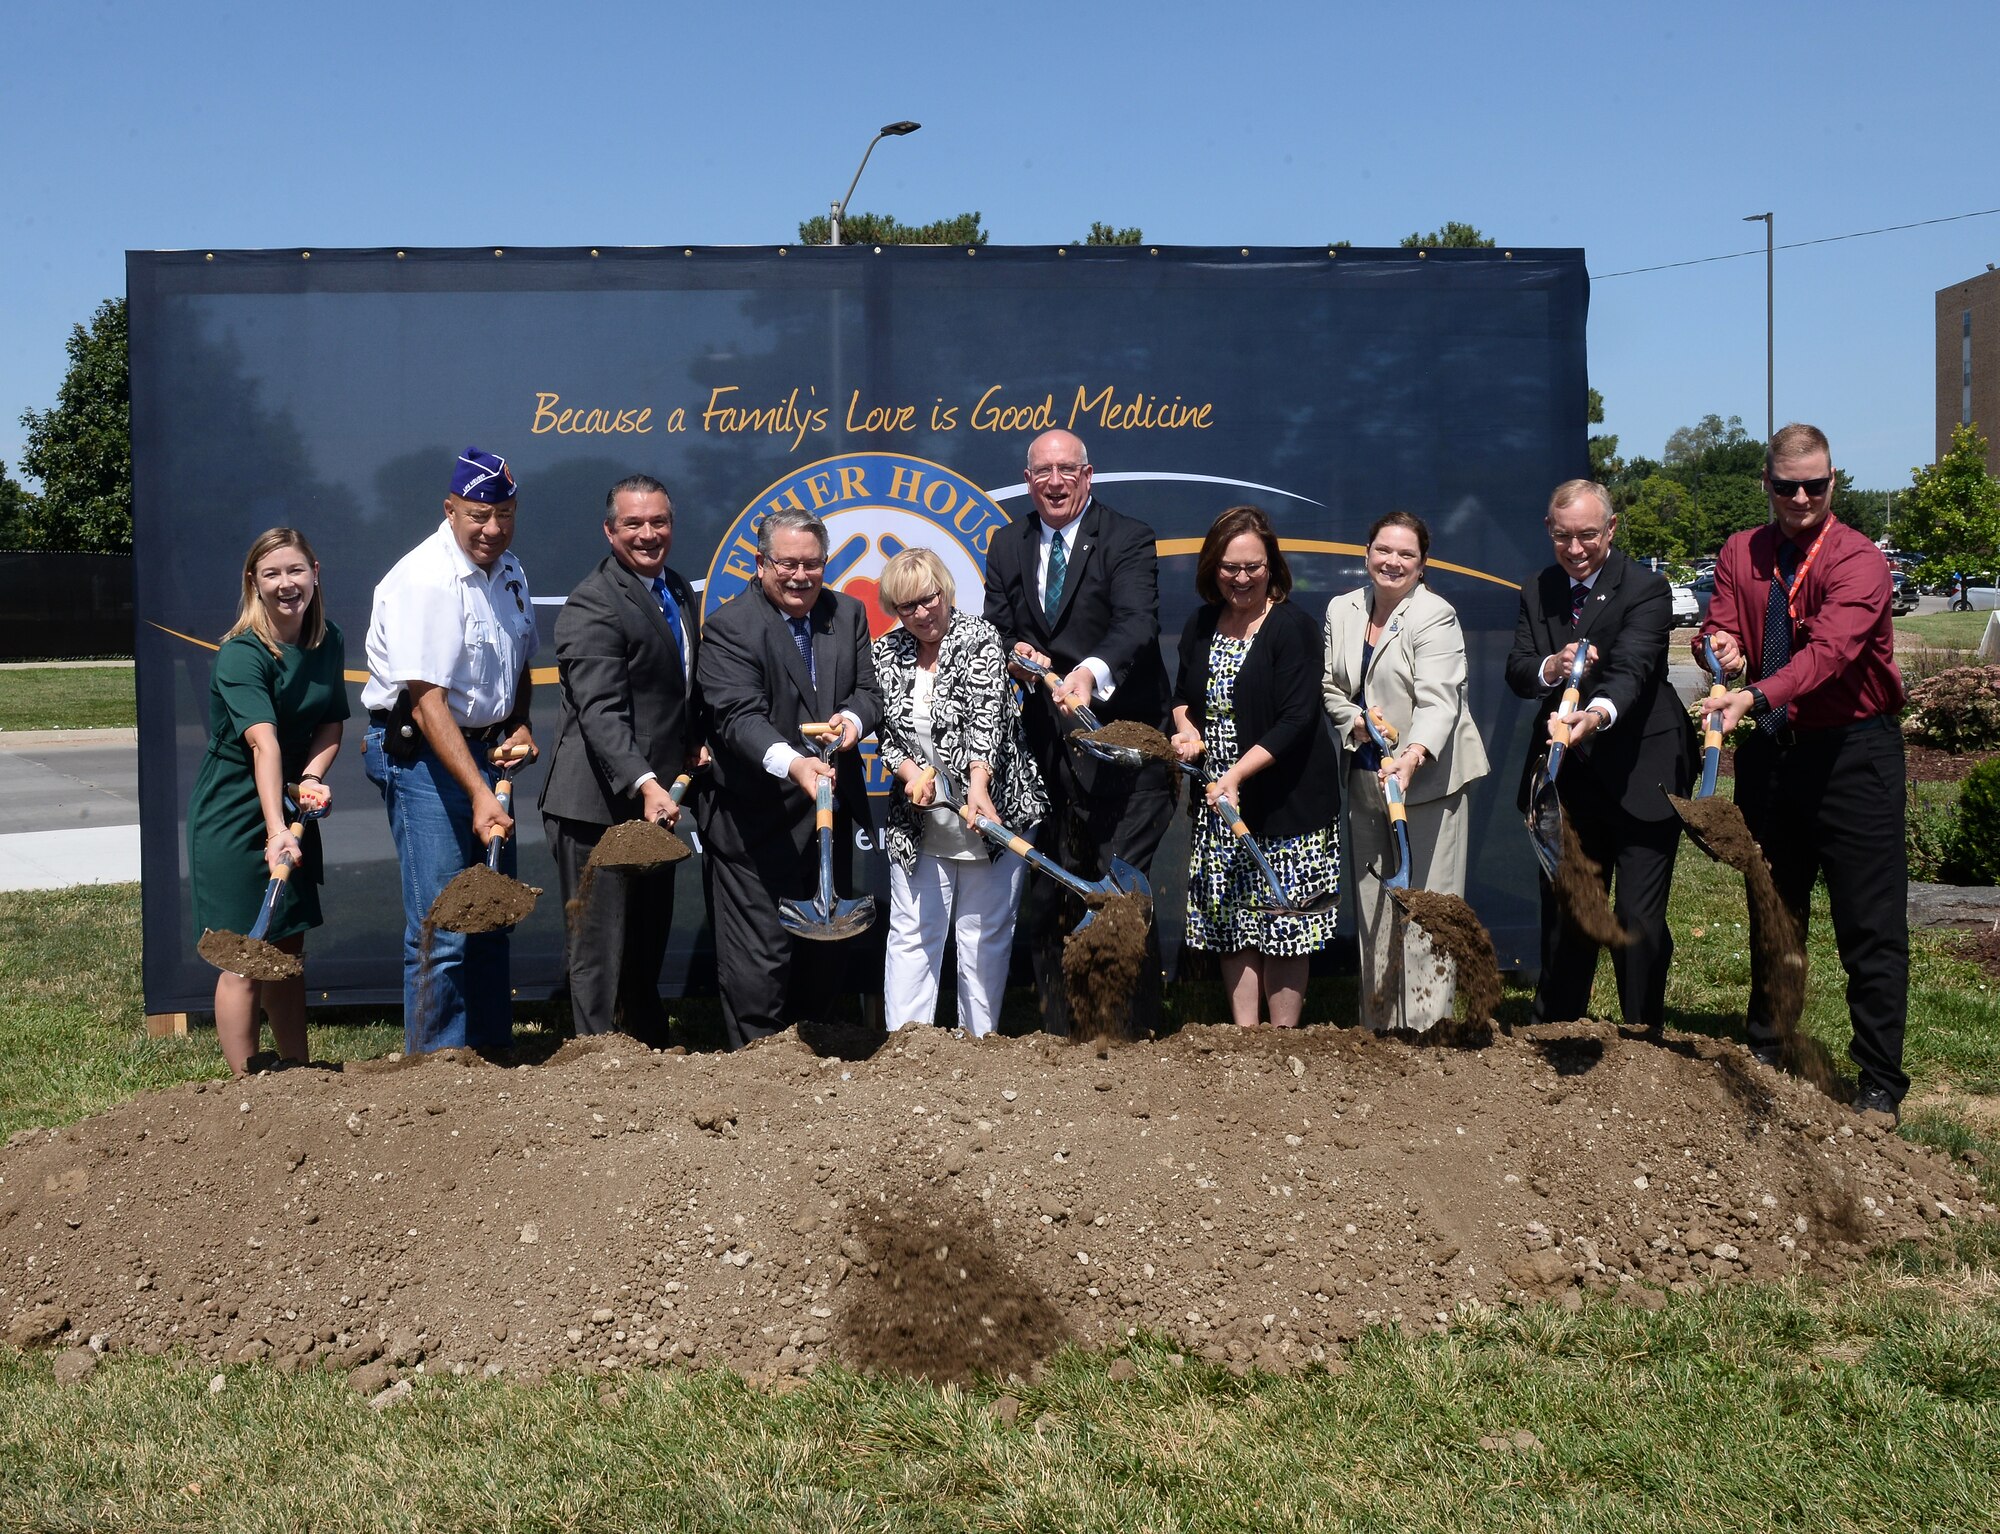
pixel 1785 489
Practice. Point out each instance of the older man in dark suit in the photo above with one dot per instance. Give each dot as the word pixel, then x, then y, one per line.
pixel 626 646
pixel 1076 586
pixel 784 653
pixel 1631 745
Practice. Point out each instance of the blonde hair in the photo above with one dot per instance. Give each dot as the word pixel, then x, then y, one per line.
pixel 1796 440
pixel 251 613
pixel 911 574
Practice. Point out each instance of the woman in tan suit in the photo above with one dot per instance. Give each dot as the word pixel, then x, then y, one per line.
pixel 1396 646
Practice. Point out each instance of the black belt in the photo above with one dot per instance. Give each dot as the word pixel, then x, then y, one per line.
pixel 1788 737
pixel 484 735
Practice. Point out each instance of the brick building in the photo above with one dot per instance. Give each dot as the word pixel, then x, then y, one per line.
pixel 1968 362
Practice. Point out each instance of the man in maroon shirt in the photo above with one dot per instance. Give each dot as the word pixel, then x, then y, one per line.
pixel 1802 606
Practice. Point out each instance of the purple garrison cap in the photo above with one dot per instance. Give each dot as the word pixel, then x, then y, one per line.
pixel 481 476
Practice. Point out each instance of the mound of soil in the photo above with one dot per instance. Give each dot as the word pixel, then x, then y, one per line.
pixel 1101 965
pixel 950 1205
pixel 482 900
pixel 637 844
pixel 1143 738
pixel 250 957
pixel 1456 930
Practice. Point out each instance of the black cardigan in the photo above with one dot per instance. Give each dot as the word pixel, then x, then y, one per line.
pixel 1278 707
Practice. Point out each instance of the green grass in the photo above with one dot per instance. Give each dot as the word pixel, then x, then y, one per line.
pixel 67 698
pixel 1947 631
pixel 1870 1405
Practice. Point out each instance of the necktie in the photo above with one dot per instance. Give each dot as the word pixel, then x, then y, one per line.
pixel 1052 591
pixel 802 637
pixel 1578 595
pixel 1778 627
pixel 671 611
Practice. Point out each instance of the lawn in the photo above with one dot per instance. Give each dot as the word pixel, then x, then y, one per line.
pixel 1870 1405
pixel 67 698
pixel 1944 631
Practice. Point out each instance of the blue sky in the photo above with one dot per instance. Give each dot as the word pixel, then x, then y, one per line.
pixel 1642 134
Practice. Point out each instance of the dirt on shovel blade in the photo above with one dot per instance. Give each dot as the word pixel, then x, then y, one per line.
pixel 1101 966
pixel 637 844
pixel 1455 930
pixel 481 900
pixel 1581 896
pixel 1778 956
pixel 1143 738
pixel 252 958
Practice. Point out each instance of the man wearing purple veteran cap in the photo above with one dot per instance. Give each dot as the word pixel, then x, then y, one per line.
pixel 449 642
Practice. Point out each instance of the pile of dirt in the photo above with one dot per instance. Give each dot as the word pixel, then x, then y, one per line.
pixel 637 844
pixel 952 1204
pixel 481 900
pixel 1143 738
pixel 250 957
pixel 1101 964
pixel 1581 895
pixel 1455 930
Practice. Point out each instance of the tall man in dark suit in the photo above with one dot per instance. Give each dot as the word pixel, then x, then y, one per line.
pixel 1076 586
pixel 784 653
pixel 1631 744
pixel 626 645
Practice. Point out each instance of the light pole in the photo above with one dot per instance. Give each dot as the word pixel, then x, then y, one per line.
pixel 889 130
pixel 1770 391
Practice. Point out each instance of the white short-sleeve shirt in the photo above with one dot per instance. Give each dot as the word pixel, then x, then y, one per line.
pixel 439 618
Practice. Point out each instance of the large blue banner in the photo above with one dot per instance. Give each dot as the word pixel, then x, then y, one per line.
pixel 893 390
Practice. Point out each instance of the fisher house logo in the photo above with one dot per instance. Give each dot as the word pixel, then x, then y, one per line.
pixel 874 505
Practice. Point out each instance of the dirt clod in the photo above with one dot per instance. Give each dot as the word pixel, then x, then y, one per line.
pixel 637 844
pixel 1456 929
pixel 1101 965
pixel 481 900
pixel 1143 738
pixel 1580 893
pixel 249 957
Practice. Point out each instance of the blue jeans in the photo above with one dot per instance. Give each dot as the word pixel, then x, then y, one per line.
pixel 460 996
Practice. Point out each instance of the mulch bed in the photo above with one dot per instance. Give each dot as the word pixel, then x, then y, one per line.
pixel 1923 764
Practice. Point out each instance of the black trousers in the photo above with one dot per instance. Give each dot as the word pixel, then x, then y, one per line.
pixel 769 979
pixel 1120 812
pixel 614 942
pixel 1831 802
pixel 1637 860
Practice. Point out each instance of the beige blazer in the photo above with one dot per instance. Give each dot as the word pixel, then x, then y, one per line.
pixel 1417 678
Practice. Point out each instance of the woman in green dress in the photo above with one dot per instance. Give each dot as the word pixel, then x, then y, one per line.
pixel 274 712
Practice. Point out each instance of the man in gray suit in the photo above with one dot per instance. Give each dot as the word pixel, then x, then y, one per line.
pixel 626 645
pixel 783 653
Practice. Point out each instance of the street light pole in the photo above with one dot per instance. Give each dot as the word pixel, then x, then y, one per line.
pixel 1770 350
pixel 889 130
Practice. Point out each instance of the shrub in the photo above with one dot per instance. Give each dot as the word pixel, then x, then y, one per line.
pixel 1974 856
pixel 1930 823
pixel 1958 709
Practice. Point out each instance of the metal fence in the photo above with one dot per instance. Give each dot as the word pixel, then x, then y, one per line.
pixel 65 606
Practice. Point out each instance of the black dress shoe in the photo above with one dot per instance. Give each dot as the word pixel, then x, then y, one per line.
pixel 1875 1100
pixel 1772 1055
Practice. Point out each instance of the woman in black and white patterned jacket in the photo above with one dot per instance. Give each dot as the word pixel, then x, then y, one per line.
pixel 947 703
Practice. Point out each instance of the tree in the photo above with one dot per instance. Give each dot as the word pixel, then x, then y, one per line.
pixel 1454 236
pixel 1951 512
pixel 886 229
pixel 1605 463
pixel 1104 234
pixel 15 503
pixel 81 450
pixel 1655 520
pixel 1693 445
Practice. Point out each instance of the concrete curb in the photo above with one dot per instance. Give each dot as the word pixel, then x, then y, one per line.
pixel 41 740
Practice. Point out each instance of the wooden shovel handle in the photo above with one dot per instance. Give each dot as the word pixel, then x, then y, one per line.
pixel 298 829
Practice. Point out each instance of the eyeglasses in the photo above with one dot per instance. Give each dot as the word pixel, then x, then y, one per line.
pixel 1786 489
pixel 795 566
pixel 1247 572
pixel 1040 471
pixel 911 608
pixel 1586 539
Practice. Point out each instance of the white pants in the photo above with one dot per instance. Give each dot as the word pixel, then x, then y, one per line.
pixel 977 900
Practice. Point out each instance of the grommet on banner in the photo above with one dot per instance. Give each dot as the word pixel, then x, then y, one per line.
pixel 1333 255
pixel 878 250
pixel 305 255
pixel 1243 252
pixel 972 250
pixel 399 255
pixel 209 257
pixel 1061 251
pixel 496 252
pixel 1508 254
pixel 688 252
pixel 1423 255
pixel 1156 250
pixel 782 251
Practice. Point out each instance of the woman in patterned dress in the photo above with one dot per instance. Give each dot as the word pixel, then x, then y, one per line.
pixel 275 706
pixel 946 703
pixel 1247 707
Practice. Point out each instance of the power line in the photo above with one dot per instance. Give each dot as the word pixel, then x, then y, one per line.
pixel 1737 255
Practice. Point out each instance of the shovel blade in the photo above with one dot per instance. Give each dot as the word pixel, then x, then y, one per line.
pixel 1545 827
pixel 1127 880
pixel 848 918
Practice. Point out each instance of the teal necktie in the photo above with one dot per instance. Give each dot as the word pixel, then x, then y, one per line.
pixel 1052 591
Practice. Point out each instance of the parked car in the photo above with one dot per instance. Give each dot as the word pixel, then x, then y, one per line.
pixel 1903 596
pixel 1702 589
pixel 1687 610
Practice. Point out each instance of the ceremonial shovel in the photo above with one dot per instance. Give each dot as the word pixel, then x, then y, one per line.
pixel 1123 879
pixel 1384 735
pixel 1121 756
pixel 275 963
pixel 826 920
pixel 522 896
pixel 1711 762
pixel 1281 903
pixel 1545 808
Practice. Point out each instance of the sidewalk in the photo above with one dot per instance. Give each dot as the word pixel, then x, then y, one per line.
pixel 69 808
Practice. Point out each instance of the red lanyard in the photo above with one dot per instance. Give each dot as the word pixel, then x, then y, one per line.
pixel 1799 575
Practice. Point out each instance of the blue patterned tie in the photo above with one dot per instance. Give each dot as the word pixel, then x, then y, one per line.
pixel 671 611
pixel 1052 591
pixel 802 637
pixel 1578 595
pixel 1778 627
